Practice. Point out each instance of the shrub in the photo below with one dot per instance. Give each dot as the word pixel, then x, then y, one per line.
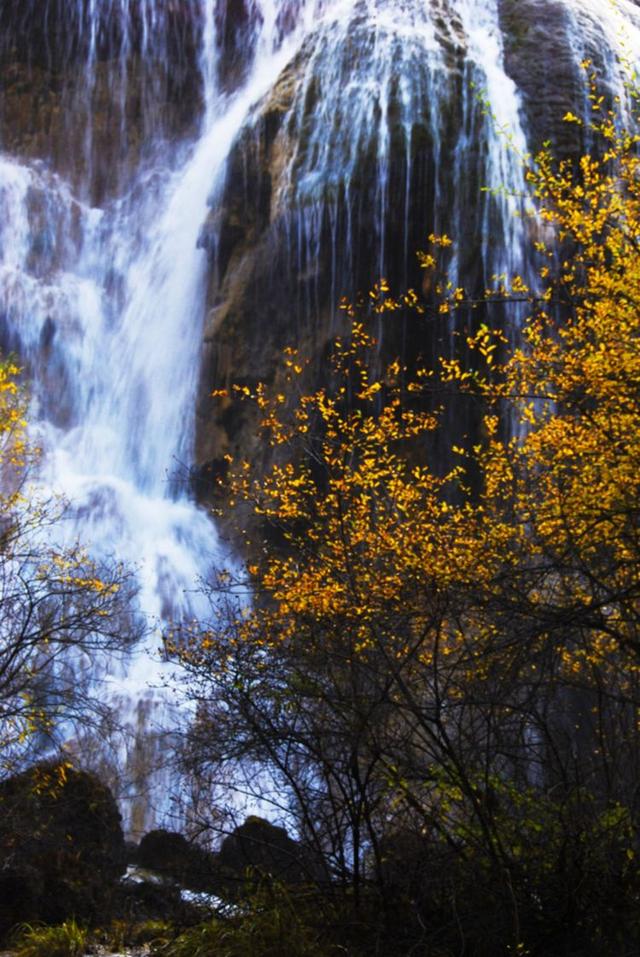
pixel 276 923
pixel 65 940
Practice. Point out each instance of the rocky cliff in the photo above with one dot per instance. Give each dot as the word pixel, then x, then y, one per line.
pixel 375 135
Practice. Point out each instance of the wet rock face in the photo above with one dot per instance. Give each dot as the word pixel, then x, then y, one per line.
pixel 57 34
pixel 61 846
pixel 541 60
pixel 89 97
pixel 545 43
pixel 370 140
pixel 330 170
pixel 234 21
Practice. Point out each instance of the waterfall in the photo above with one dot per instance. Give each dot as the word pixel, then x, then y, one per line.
pixel 118 126
pixel 105 305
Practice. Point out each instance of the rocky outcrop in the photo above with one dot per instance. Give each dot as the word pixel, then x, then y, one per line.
pixel 61 846
pixel 330 169
pixel 544 64
pixel 256 848
pixel 89 96
pixel 263 848
pixel 60 34
pixel 546 45
pixel 369 141
pixel 170 854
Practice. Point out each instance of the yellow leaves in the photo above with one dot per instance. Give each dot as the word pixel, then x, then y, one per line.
pixel 380 538
pixel 393 369
pixel 574 382
pixel 443 240
pixel 518 286
pixel 426 260
pixel 452 371
pixel 370 390
pixel 16 452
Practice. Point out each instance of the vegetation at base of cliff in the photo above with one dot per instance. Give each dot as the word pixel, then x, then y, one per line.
pixel 153 934
pixel 71 939
pixel 438 678
pixel 65 940
pixel 270 926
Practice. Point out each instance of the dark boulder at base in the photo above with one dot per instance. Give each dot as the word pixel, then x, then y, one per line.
pixel 260 846
pixel 61 846
pixel 255 849
pixel 172 855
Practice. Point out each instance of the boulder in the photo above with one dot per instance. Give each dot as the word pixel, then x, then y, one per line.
pixel 256 848
pixel 172 856
pixel 262 847
pixel 162 850
pixel 61 846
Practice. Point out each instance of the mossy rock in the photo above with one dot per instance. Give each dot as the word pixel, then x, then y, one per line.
pixel 61 846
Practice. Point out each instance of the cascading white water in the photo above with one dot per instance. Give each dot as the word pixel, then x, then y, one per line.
pixel 106 302
pixel 119 310
pixel 399 75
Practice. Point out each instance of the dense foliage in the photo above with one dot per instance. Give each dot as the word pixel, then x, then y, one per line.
pixel 439 671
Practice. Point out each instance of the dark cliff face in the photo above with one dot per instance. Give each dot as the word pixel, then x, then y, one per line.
pixel 368 142
pixel 330 185
pixel 540 58
pixel 90 95
pixel 546 43
pixel 334 180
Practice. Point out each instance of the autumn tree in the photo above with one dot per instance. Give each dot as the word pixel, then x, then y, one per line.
pixel 450 656
pixel 59 609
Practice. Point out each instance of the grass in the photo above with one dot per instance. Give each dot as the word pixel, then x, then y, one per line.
pixel 64 940
pixel 274 923
pixel 154 932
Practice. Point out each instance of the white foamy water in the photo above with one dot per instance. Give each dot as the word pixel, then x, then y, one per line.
pixel 109 310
